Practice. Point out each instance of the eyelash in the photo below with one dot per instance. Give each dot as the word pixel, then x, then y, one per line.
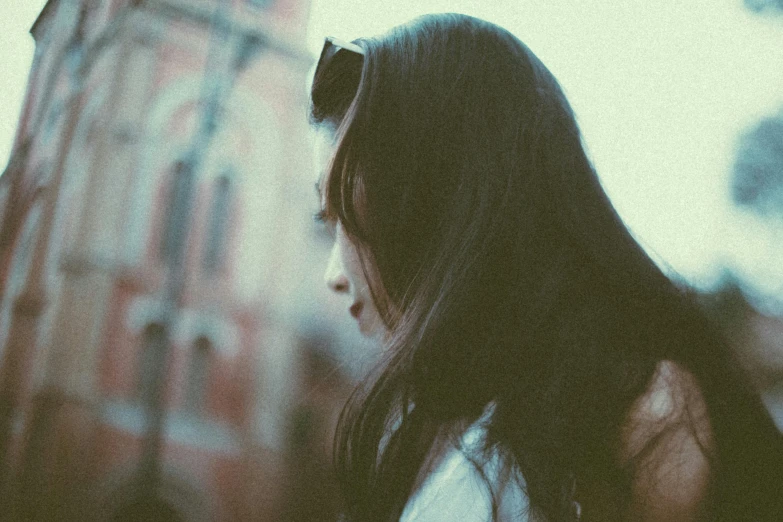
pixel 328 224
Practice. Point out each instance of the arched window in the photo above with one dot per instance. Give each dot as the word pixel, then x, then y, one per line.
pixel 175 228
pixel 151 365
pixel 217 226
pixel 52 122
pixel 20 265
pixel 198 375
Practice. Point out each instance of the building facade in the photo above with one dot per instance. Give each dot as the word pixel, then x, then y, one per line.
pixel 166 352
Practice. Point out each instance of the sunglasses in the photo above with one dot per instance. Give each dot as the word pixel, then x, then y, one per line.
pixel 334 45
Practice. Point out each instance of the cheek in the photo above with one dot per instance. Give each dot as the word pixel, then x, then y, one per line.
pixel 350 261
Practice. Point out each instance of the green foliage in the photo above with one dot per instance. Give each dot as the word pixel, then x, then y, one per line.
pixel 765 6
pixel 726 306
pixel 758 169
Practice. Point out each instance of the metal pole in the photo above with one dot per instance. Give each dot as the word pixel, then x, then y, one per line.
pixel 215 88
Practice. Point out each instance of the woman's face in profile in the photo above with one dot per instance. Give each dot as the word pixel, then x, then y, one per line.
pixel 344 273
pixel 345 276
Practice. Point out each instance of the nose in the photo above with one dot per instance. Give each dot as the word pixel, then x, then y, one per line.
pixel 335 275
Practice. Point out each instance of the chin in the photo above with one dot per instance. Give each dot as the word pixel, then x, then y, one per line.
pixel 366 331
pixel 373 330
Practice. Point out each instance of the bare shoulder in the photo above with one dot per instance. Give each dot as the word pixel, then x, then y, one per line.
pixel 667 443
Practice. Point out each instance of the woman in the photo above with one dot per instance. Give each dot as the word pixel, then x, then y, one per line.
pixel 539 365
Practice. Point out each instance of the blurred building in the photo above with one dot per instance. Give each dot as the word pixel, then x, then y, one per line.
pixel 164 353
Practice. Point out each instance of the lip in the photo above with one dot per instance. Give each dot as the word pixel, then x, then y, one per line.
pixel 356 310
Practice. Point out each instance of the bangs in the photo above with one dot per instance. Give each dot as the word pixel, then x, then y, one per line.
pixel 343 187
pixel 337 88
pixel 345 201
pixel 340 102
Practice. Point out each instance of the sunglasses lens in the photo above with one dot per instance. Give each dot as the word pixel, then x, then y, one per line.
pixel 327 52
pixel 331 48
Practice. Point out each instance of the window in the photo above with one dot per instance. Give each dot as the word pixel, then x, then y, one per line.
pixel 151 364
pixel 52 121
pixel 177 207
pixel 198 375
pixel 217 227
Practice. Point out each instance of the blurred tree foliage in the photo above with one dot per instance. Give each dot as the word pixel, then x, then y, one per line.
pixel 765 6
pixel 726 305
pixel 758 169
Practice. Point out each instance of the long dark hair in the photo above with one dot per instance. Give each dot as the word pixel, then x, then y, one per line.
pixel 506 277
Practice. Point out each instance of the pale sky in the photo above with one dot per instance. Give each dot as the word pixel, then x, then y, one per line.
pixel 16 18
pixel 661 90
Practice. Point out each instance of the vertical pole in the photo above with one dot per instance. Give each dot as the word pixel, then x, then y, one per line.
pixel 215 88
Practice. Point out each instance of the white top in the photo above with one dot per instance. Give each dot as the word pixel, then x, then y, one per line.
pixel 456 491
